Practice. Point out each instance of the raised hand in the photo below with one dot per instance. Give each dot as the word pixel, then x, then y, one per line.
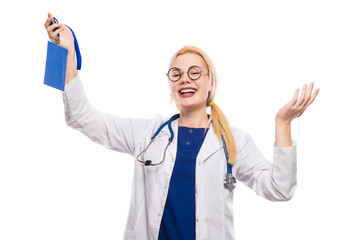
pixel 297 105
pixel 66 39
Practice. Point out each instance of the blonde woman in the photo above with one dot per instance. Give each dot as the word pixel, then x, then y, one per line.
pixel 186 166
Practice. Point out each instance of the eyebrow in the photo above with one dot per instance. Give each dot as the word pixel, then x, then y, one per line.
pixel 203 68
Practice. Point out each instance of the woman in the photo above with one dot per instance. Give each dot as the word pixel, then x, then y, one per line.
pixel 179 190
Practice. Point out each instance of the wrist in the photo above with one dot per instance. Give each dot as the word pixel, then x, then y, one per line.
pixel 71 71
pixel 71 52
pixel 280 122
pixel 282 134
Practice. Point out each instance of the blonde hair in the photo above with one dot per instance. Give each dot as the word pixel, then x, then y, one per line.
pixel 220 123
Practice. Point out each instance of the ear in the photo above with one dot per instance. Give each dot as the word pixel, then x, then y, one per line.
pixel 212 86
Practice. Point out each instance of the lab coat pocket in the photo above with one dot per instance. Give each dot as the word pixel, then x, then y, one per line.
pixel 213 173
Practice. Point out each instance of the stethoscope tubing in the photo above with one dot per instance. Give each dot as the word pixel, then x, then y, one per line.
pixel 229 181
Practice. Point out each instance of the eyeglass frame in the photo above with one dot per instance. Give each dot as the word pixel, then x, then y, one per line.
pixel 181 73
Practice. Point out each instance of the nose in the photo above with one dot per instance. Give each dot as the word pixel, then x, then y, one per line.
pixel 184 78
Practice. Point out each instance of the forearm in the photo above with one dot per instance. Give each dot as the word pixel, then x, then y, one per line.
pixel 282 134
pixel 276 181
pixel 71 67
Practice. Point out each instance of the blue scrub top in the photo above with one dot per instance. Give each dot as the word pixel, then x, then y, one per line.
pixel 178 221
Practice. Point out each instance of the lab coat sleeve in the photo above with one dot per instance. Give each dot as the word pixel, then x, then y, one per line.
pixel 274 181
pixel 113 132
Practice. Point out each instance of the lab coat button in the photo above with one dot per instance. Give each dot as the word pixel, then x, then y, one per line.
pixel 165 187
pixel 159 214
pixel 199 163
pixel 197 219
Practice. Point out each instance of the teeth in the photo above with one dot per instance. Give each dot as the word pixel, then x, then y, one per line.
pixel 187 90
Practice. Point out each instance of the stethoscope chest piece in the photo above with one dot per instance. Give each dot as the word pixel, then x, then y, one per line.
pixel 147 162
pixel 229 181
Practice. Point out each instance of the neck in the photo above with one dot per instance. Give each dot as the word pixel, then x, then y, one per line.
pixel 193 119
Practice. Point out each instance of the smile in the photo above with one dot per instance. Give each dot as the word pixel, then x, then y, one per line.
pixel 187 90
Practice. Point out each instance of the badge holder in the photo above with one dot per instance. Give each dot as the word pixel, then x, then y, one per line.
pixel 56 62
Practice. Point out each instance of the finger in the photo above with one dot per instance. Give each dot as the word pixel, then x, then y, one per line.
pixel 54 35
pixel 308 94
pixel 48 20
pixel 52 30
pixel 302 96
pixel 52 27
pixel 312 99
pixel 57 32
pixel 311 86
pixel 295 97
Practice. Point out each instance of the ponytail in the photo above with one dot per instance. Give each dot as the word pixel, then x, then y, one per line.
pixel 222 128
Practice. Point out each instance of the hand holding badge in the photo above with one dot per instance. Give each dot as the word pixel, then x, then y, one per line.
pixel 57 52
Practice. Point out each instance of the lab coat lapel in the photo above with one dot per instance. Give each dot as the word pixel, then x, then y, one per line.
pixel 210 145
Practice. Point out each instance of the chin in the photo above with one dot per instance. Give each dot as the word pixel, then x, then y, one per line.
pixel 189 106
pixel 186 103
pixel 189 103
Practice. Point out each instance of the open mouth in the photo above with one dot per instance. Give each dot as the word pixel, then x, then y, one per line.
pixel 187 91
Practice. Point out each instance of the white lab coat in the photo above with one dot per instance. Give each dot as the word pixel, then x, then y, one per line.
pixel 214 203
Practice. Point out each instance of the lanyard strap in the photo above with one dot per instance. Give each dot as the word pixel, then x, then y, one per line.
pixel 77 49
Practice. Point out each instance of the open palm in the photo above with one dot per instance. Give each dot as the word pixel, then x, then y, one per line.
pixel 297 105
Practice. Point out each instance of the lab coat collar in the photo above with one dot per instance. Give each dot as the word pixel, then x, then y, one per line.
pixel 210 145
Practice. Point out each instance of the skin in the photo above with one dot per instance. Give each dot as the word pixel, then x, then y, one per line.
pixel 193 109
pixel 295 108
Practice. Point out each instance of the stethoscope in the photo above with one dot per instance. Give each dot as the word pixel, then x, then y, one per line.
pixel 229 181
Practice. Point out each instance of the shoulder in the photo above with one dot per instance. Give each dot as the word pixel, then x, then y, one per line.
pixel 241 137
pixel 150 125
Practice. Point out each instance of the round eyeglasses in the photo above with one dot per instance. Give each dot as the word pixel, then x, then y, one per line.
pixel 194 73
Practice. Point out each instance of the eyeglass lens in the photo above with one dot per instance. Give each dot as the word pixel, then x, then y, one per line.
pixel 194 73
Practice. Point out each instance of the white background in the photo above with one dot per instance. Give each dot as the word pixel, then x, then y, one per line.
pixel 57 184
